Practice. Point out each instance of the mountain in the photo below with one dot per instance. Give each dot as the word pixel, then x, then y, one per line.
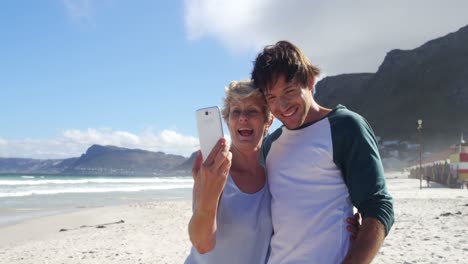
pixel 18 165
pixel 104 161
pixel 428 83
pixel 188 164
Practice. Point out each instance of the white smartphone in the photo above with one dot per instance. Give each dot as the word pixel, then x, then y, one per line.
pixel 210 128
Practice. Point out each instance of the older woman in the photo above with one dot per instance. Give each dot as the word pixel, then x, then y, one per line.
pixel 234 227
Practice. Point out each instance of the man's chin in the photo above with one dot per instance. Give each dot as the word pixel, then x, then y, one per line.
pixel 291 125
pixel 288 122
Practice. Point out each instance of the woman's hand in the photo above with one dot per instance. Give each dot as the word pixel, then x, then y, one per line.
pixel 209 180
pixel 354 224
pixel 210 177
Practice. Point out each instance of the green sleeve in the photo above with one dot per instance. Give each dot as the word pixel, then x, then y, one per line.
pixel 266 145
pixel 356 154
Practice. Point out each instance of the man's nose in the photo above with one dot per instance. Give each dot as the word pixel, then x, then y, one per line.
pixel 281 104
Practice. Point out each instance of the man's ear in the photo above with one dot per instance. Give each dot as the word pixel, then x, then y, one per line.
pixel 311 83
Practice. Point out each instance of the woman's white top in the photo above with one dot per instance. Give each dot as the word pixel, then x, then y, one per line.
pixel 244 228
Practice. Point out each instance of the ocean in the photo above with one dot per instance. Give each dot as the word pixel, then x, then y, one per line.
pixel 27 196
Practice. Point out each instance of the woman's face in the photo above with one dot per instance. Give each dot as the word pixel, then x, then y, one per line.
pixel 247 123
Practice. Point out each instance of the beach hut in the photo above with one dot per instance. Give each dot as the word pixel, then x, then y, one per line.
pixel 459 162
pixel 448 167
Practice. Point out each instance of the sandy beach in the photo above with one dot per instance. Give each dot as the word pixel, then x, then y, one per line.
pixel 431 227
pixel 150 233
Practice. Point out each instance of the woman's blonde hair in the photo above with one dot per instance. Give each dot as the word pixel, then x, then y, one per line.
pixel 239 90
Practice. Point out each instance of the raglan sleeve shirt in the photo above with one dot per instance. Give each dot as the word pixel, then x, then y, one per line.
pixel 356 155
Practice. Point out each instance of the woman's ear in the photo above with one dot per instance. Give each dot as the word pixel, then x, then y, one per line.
pixel 268 124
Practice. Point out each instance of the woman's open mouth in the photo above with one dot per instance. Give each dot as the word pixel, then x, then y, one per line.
pixel 245 132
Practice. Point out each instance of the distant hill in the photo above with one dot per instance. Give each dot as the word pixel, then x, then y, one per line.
pixel 428 83
pixel 104 161
pixel 188 164
pixel 19 165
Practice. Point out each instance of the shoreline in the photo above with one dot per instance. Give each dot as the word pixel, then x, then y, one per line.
pixel 19 209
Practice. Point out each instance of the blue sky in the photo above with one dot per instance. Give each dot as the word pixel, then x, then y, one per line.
pixel 131 73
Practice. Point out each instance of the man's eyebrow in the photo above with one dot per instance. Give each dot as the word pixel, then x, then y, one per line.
pixel 289 86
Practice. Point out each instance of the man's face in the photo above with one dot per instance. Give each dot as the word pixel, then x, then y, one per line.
pixel 290 102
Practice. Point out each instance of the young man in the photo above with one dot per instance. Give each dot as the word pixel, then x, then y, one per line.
pixel 319 164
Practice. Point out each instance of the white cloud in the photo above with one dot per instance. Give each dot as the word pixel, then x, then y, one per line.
pixel 79 10
pixel 225 19
pixel 105 136
pixel 73 143
pixel 339 36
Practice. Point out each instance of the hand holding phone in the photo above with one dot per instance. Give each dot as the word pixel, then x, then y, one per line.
pixel 210 128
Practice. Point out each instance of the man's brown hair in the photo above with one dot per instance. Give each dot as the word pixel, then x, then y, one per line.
pixel 282 58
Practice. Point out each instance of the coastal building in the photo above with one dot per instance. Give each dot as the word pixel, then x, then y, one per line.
pixel 459 161
pixel 449 167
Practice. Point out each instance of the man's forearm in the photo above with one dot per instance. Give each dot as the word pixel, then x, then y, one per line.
pixel 367 243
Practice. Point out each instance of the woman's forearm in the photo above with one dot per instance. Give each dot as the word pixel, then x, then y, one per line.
pixel 202 230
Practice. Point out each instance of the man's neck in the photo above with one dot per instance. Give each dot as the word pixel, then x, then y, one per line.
pixel 316 112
